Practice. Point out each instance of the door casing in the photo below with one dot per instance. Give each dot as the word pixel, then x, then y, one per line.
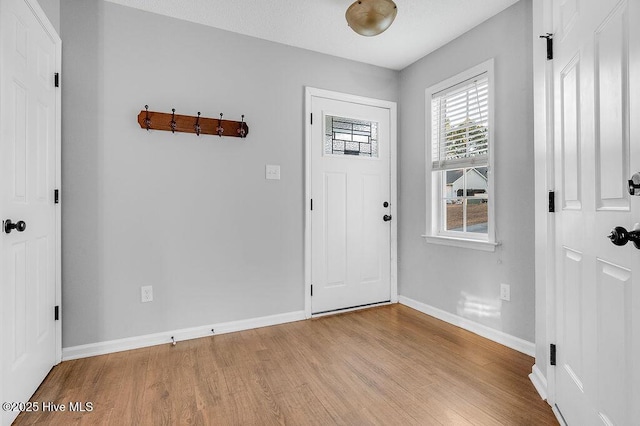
pixel 544 178
pixel 311 92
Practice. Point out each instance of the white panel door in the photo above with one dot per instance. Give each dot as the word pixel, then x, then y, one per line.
pixel 597 104
pixel 29 51
pixel 350 184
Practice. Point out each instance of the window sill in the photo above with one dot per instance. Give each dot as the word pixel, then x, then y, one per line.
pixel 461 242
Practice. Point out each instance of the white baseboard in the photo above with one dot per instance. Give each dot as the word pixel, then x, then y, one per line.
pixel 503 338
pixel 539 381
pixel 101 348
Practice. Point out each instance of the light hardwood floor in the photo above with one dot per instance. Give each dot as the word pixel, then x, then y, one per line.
pixel 390 365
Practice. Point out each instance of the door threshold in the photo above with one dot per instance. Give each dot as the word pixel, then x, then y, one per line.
pixel 351 309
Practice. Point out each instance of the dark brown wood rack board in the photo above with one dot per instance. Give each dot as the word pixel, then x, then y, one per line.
pixel 187 124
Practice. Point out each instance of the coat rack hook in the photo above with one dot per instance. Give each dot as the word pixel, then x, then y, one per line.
pixel 173 123
pixel 197 126
pixel 241 131
pixel 147 120
pixel 220 129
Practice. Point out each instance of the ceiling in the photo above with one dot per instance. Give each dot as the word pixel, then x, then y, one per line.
pixel 421 26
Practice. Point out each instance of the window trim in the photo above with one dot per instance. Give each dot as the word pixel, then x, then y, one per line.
pixel 434 233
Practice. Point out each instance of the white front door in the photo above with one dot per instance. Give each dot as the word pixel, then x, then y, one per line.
pixel 29 126
pixel 597 148
pixel 352 213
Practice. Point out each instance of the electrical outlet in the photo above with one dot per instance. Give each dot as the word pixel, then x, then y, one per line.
pixel 505 292
pixel 146 294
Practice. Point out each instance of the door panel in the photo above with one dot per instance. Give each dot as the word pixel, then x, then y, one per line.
pixel 572 314
pixel 18 285
pixel 613 307
pixel 44 286
pixel 335 232
pixel 570 78
pixel 350 181
pixel 611 108
pixel 372 199
pixel 19 139
pixel 43 143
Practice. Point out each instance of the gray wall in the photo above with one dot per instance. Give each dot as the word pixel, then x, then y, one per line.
pixel 192 216
pixel 460 280
pixel 52 10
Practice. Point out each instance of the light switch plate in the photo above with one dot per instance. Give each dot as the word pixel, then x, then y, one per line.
pixel 146 294
pixel 272 172
pixel 505 292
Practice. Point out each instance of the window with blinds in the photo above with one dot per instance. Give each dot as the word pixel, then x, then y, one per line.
pixel 460 125
pixel 459 138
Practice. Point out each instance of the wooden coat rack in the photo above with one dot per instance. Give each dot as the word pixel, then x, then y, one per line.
pixel 172 122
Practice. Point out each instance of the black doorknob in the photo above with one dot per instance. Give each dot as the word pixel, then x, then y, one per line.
pixel 10 226
pixel 620 236
pixel 386 217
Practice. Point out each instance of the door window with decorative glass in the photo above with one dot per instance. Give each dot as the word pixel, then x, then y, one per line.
pixel 348 136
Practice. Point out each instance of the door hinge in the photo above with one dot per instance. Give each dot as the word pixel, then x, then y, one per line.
pixel 552 354
pixel 312 204
pixel 56 79
pixel 549 38
pixel 56 196
pixel 552 201
pixel 312 118
pixel 312 289
pixel 56 313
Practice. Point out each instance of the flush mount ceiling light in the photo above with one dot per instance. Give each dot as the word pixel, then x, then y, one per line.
pixel 371 17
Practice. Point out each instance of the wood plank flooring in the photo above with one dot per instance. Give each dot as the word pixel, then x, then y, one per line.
pixel 390 365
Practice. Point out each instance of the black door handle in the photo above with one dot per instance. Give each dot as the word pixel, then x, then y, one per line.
pixel 386 217
pixel 620 236
pixel 9 226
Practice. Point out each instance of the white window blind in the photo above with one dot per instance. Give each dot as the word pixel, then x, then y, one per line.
pixel 460 124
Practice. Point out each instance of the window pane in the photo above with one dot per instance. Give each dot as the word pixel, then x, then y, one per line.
pixel 454 220
pixel 477 215
pixel 453 181
pixel 465 200
pixel 476 182
pixel 346 136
